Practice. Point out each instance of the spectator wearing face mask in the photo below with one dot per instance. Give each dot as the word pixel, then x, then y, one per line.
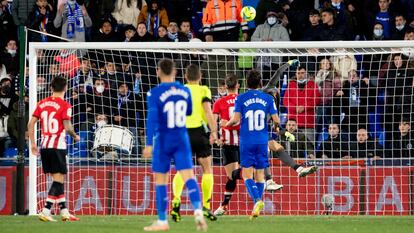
pixel 378 32
pixel 384 16
pixel 271 30
pixel 400 27
pixel 301 98
pixel 7 99
pixel 153 15
pixel 10 58
pixel 99 100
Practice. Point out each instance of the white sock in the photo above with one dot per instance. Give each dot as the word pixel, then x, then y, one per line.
pixel 299 169
pixel 162 222
pixel 198 212
pixel 64 211
pixel 46 211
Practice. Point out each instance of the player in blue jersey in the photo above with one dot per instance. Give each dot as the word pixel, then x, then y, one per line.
pixel 167 139
pixel 252 109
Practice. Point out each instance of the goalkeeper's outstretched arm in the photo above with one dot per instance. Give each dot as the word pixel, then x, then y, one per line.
pixel 276 76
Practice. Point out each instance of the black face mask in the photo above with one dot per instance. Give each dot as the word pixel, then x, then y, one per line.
pixel 5 89
pixel 153 12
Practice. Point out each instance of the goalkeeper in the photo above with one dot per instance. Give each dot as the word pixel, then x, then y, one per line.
pixel 272 88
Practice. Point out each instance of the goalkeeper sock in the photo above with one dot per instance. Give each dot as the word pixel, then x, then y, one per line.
pixel 267 174
pixel 260 188
pixel 230 187
pixel 194 193
pixel 161 200
pixel 178 186
pixel 207 183
pixel 252 189
pixel 286 159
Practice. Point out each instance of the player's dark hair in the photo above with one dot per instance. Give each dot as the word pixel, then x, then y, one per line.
pixel 58 84
pixel 231 81
pixel 166 66
pixel 192 72
pixel 292 119
pixel 254 80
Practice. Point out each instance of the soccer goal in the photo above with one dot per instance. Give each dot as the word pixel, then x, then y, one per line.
pixel 348 105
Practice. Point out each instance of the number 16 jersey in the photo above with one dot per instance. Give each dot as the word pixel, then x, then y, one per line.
pixel 51 112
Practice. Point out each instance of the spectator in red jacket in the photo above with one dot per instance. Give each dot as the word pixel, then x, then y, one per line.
pixel 68 63
pixel 301 98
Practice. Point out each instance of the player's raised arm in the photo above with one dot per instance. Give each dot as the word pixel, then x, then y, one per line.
pixel 30 129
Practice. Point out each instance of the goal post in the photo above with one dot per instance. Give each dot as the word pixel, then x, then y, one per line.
pixel 121 184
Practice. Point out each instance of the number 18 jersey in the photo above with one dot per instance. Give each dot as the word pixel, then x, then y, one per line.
pixel 254 107
pixel 169 104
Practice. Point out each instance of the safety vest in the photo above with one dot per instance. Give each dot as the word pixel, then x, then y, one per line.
pixel 222 15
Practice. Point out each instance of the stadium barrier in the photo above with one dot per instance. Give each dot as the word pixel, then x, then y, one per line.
pixel 358 190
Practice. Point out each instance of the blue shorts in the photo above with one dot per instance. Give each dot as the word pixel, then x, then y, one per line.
pixel 177 149
pixel 254 155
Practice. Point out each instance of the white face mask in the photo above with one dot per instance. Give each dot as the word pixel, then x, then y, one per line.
pixel 12 51
pixel 100 88
pixel 337 5
pixel 40 88
pixel 271 20
pixel 101 123
pixel 399 28
pixel 378 32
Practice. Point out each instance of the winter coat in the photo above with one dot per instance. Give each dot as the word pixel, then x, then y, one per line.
pixel 309 97
pixel 127 15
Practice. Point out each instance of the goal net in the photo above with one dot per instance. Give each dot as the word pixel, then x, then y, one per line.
pixel 348 105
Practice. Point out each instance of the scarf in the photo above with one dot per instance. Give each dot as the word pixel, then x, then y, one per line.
pixel 42 26
pixel 173 37
pixel 123 99
pixel 75 20
pixel 156 23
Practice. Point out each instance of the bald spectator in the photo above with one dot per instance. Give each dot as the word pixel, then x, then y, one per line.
pixel 301 98
pixel 363 147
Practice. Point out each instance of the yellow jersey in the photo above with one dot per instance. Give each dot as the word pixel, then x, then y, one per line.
pixel 199 95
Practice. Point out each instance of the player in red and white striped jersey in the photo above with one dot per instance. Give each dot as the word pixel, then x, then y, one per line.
pixel 54 114
pixel 229 138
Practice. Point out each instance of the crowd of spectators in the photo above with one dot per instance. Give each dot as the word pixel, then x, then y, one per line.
pixel 330 101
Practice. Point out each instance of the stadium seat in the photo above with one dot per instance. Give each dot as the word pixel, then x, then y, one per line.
pixel 323 136
pixel 9 154
pixel 79 149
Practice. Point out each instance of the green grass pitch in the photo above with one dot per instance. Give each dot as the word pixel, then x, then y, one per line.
pixel 228 224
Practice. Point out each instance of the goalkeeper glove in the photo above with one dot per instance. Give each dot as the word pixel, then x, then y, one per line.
pixel 290 137
pixel 294 63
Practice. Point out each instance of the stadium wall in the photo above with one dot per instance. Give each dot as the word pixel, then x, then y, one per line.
pixel 358 190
